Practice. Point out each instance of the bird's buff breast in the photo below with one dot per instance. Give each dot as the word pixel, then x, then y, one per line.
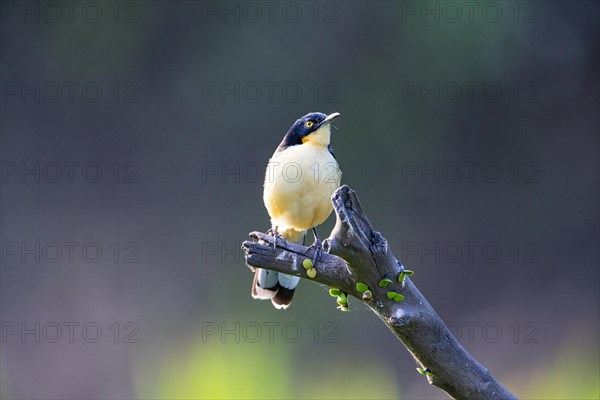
pixel 299 182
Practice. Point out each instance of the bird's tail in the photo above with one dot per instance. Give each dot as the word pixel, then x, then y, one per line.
pixel 274 286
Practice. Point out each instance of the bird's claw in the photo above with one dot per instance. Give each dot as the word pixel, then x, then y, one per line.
pixel 274 233
pixel 317 246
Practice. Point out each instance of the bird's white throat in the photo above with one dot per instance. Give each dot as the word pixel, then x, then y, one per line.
pixel 320 137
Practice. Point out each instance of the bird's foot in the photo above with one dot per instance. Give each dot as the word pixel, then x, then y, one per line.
pixel 317 246
pixel 273 232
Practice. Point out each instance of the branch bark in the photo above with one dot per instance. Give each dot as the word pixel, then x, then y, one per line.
pixel 355 252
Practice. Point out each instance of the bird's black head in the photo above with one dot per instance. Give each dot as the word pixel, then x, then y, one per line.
pixel 303 127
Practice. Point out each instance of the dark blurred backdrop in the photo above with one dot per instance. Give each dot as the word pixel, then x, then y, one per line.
pixel 133 141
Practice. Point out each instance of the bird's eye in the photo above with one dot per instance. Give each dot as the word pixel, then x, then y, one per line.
pixel 309 124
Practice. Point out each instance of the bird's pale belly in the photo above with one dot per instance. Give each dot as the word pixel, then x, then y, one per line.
pixel 299 183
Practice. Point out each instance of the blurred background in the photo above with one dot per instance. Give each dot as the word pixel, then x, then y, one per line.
pixel 134 136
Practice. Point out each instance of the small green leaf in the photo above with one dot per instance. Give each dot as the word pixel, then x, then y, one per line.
pixel 342 302
pixel 342 299
pixel 421 371
pixel 334 292
pixel 311 273
pixel 307 264
pixel 361 287
pixel 408 272
pixel 367 295
pixel 401 277
pixel 398 297
pixel 384 282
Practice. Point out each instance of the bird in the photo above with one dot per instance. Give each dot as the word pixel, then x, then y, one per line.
pixel 300 179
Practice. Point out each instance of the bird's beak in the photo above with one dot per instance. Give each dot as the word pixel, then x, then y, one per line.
pixel 329 118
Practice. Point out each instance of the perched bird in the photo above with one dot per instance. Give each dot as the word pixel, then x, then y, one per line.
pixel 301 176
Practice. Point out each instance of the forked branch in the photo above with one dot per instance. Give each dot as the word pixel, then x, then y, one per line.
pixel 357 254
